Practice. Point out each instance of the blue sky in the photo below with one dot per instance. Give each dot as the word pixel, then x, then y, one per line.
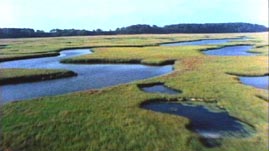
pixel 110 14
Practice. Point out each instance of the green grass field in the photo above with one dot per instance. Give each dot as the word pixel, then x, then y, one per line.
pixel 111 119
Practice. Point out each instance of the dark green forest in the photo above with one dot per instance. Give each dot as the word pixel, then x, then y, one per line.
pixel 137 29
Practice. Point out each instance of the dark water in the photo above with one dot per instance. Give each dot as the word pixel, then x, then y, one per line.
pixel 258 82
pixel 203 121
pixel 211 126
pixel 205 42
pixel 89 76
pixel 158 88
pixel 231 51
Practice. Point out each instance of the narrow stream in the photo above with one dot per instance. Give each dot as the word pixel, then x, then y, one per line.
pixel 261 82
pixel 204 42
pixel 231 51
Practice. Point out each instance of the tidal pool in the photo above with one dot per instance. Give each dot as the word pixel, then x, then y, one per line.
pixel 204 42
pixel 261 82
pixel 212 126
pixel 90 76
pixel 231 51
pixel 157 88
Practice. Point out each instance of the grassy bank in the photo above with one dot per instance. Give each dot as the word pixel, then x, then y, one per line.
pixel 111 118
pixel 13 76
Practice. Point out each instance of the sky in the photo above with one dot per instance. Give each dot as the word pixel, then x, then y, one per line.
pixel 110 14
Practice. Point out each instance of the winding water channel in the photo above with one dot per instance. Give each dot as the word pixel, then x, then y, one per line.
pixel 261 82
pixel 90 76
pixel 204 42
pixel 231 51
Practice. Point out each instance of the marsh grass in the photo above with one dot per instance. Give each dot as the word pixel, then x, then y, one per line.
pixel 111 118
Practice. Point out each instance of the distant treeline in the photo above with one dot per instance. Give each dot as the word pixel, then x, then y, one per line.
pixel 137 29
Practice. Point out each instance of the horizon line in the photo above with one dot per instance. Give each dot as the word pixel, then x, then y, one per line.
pixel 35 29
